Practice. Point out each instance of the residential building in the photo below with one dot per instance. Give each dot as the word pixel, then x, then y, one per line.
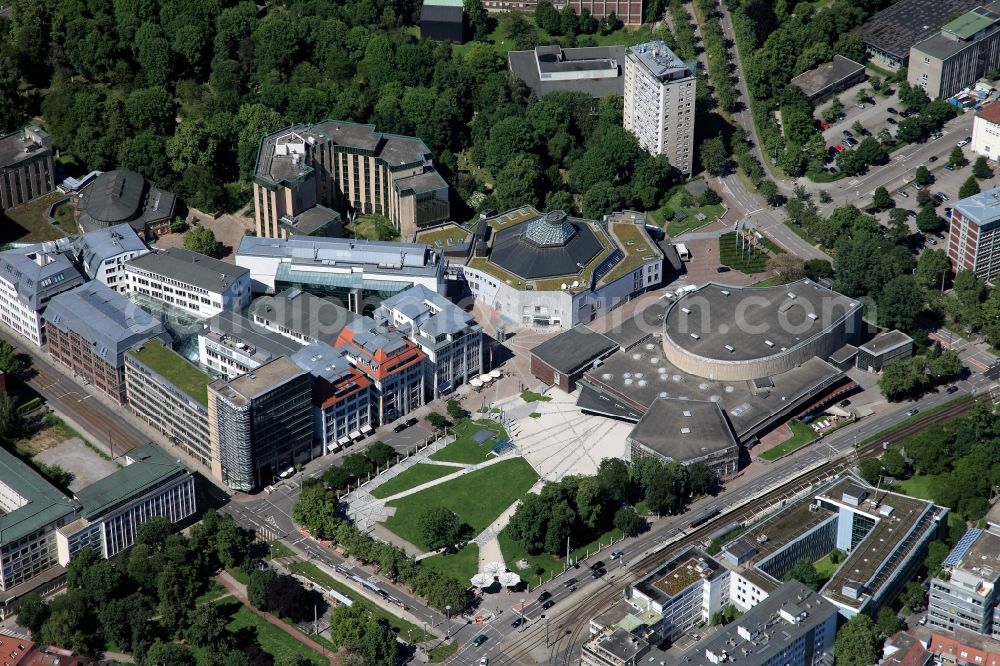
pixel 15 649
pixel 962 647
pixel 89 330
pixel 974 239
pixel 563 359
pixel 151 485
pixel 341 396
pixel 395 366
pixel 886 346
pixel 986 132
pixel 300 316
pixel 966 598
pixel 51 655
pixel 555 271
pixel 230 345
pixel 356 274
pixel 349 168
pixel 193 282
pixel 260 424
pixel 627 11
pixel 125 197
pixel 444 20
pixel 26 170
pixel 450 338
pixel 889 35
pixel 170 394
pixel 595 70
pixel 966 48
pixel 29 277
pixel 829 78
pixel 905 649
pixel 102 254
pixel 659 102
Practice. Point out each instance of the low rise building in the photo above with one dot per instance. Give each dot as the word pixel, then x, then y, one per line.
pixel 341 396
pixel 443 20
pixel 886 346
pixel 594 70
pixel 889 35
pixel 905 649
pixel 829 78
pixel 962 647
pixel 26 170
pixel 450 338
pixel 627 11
pixel 193 282
pixel 986 132
pixel 89 330
pixel 563 359
pixel 966 597
pixel 231 345
pixel 974 238
pixel 965 49
pixel 260 424
pixel 125 197
pixel 30 277
pixel 102 254
pixel 170 394
pixel 300 316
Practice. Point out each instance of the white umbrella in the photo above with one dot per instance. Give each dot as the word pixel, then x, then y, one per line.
pixel 494 568
pixel 482 580
pixel 475 382
pixel 509 579
pixel 495 373
pixel 486 379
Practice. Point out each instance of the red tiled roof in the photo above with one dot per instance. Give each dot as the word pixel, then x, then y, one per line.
pixel 990 113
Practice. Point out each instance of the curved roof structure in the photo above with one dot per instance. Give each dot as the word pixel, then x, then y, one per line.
pixel 115 196
pixel 550 245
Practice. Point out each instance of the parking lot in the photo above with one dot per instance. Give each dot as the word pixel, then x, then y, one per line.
pixel 873 117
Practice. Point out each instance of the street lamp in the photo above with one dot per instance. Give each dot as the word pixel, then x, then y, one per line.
pixel 521 610
pixel 448 631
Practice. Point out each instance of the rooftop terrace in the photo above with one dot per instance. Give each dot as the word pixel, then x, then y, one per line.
pixel 174 368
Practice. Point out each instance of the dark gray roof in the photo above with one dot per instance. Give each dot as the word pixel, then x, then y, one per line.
pixel 245 388
pixel 525 66
pixel 24 144
pixel 238 328
pixel 312 220
pixel 844 354
pixel 905 22
pixel 44 505
pixel 372 336
pixel 644 323
pixel 441 13
pixel 432 313
pixel 573 350
pixel 190 267
pixel 114 196
pixel 38 272
pixel 683 430
pixel 658 60
pixel 111 323
pixel 514 251
pixel 886 341
pixel 313 316
pixel 94 247
pixel 814 81
pixel 427 181
pixel 321 360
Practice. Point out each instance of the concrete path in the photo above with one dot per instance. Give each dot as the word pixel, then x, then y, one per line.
pixel 489 544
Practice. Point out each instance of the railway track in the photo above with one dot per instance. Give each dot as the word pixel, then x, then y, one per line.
pixel 568 630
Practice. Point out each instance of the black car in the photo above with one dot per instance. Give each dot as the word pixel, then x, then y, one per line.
pixel 517 623
pixel 597 573
pixel 400 427
pixel 951 389
pixel 932 158
pixel 891 120
pixel 847 133
pixel 544 596
pixel 411 422
pixel 597 565
pixel 722 269
pixel 548 604
pixel 906 113
pixel 892 110
pixel 571 582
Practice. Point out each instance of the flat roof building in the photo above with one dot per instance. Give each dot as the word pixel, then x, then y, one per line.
pixel 966 599
pixel 231 345
pixel 341 396
pixel 300 316
pixel 965 50
pixel 193 282
pixel 125 197
pixel 594 70
pixel 886 346
pixel 627 11
pixel 986 132
pixel 30 277
pixel 889 35
pixel 562 360
pixel 829 78
pixel 26 169
pixel 974 238
pixel 102 253
pixel 443 20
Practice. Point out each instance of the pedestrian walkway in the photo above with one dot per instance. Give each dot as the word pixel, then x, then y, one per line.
pixel 488 541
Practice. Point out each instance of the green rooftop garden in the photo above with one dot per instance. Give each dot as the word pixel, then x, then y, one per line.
pixel 175 369
pixel 636 244
pixel 451 232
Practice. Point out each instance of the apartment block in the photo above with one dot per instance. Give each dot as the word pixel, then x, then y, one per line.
pixel 26 170
pixel 193 282
pixel 966 598
pixel 102 254
pixel 395 366
pixel 965 49
pixel 986 132
pixel 349 168
pixel 450 338
pixel 89 330
pixel 974 239
pixel 659 102
pixel 341 396
pixel 30 277
pixel 170 394
pixel 260 424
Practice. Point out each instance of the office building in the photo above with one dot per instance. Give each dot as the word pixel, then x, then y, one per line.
pixel 986 132
pixel 89 330
pixel 966 48
pixel 450 338
pixel 886 346
pixel 300 316
pixel 829 78
pixel 443 20
pixel 974 238
pixel 966 598
pixel 356 274
pixel 395 366
pixel 150 485
pixel 341 396
pixel 193 282
pixel 659 102
pixel 102 254
pixel 29 277
pixel 628 12
pixel 125 197
pixel 594 70
pixel 170 394
pixel 26 170
pixel 230 345
pixel 889 35
pixel 260 424
pixel 351 169
pixel 556 271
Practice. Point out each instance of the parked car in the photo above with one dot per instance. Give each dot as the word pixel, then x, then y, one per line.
pixel 943 196
pixel 411 422
pixel 838 148
pixel 922 621
pixel 399 427
pixel 932 241
pixel 824 125
pixel 951 389
pixel 949 167
pixel 851 141
pixel 860 105
pixel 890 120
pixel 903 194
pixel 906 113
pixel 892 110
pixel 847 133
pixel 964 142
pixel 722 269
pixel 484 661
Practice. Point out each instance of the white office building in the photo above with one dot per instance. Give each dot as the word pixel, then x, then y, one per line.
pixel 29 277
pixel 193 282
pixel 102 253
pixel 659 102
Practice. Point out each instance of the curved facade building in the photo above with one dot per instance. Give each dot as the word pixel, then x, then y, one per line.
pixel 729 333
pixel 125 197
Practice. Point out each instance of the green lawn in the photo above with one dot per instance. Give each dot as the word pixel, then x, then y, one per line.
pixel 767 282
pixel 274 641
pixel 411 478
pixel 239 574
pixel 544 564
pixel 478 498
pixel 175 369
pixel 825 567
pixel 402 628
pixel 372 227
pixel 65 218
pixel 730 255
pixel 462 565
pixel 279 549
pixel 802 434
pixel 532 396
pixel 504 44
pixel 214 591
pixel 29 223
pixel 918 485
pixel 464 450
pixel 441 652
pixel 664 214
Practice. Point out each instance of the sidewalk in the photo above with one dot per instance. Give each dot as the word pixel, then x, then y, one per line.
pixel 239 590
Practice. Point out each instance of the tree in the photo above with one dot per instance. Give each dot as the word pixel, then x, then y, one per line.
pixel 969 188
pixel 288 599
pixel 932 267
pixel 591 501
pixel 177 588
pixel 769 190
pixel 956 157
pixel 936 552
pixel 438 421
pixel 818 269
pixel 519 182
pixel 455 411
pixel 900 380
pixel 981 168
pixel 714 156
pixel 881 199
pixel 380 453
pixel 207 627
pixel 32 612
pixel 923 175
pixel 316 506
pixel 660 495
pixel 628 521
pixel 528 524
pixel 154 533
pixel 258 589
pixel 912 597
pixel 928 220
pixel 613 475
pixel 126 622
pixel 168 654
pixel 560 527
pixel 944 366
pixel 804 572
pixel 479 20
pixel 547 17
pixel 10 421
pixel 895 464
pixel 786 267
pixel 858 127
pixel 858 642
pixel 887 622
pixel 201 240
pixel 10 363
pixel 924 198
pixel 831 112
pixel 900 302
pixel 439 527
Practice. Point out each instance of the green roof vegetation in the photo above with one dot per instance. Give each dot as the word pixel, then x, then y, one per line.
pixel 174 368
pixel 968 24
pixel 637 247
pixel 452 232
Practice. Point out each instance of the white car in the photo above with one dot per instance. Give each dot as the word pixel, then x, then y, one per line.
pixel 964 142
pixel 483 661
